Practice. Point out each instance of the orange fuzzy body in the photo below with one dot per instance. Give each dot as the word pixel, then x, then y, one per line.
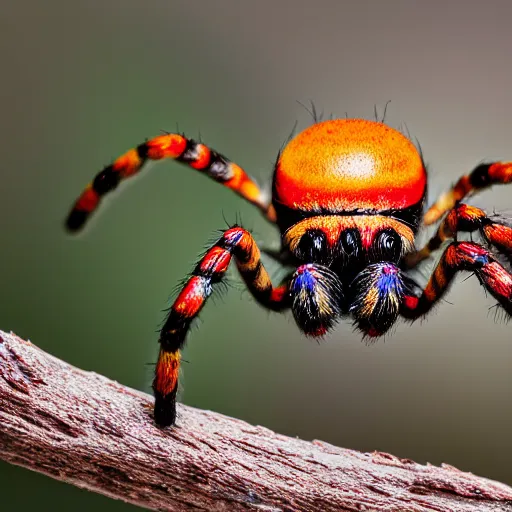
pixel 347 165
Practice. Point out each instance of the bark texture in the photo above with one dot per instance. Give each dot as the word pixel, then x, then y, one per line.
pixel 82 428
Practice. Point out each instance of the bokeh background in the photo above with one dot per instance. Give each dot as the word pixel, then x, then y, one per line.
pixel 84 81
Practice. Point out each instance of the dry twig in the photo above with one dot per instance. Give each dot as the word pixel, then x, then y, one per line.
pixel 87 430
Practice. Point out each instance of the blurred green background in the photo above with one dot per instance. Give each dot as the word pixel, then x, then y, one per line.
pixel 84 81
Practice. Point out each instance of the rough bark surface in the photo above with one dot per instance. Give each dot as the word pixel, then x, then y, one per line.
pixel 87 430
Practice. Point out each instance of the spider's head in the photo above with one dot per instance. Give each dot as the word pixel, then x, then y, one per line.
pixel 348 194
pixel 349 264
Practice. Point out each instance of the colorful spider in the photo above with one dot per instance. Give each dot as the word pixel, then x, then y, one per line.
pixel 347 197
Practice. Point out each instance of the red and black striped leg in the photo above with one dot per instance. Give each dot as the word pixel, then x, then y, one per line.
pixel 464 218
pixel 177 147
pixel 482 177
pixel 462 256
pixel 235 242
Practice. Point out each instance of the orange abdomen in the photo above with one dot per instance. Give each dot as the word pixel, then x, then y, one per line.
pixel 349 164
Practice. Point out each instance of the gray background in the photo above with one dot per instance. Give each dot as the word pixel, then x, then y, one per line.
pixel 84 81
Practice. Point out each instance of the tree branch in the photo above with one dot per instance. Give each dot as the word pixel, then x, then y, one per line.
pixel 87 430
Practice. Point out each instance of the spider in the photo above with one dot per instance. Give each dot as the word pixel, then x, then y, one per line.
pixel 348 199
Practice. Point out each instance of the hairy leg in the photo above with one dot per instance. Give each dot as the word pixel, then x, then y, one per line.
pixel 176 147
pixel 482 177
pixel 235 242
pixel 494 229
pixel 462 256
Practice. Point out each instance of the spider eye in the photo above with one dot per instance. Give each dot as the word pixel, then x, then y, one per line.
pixel 312 246
pixel 350 242
pixel 387 245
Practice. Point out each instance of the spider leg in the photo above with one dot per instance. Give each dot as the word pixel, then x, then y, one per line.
pixel 235 242
pixel 464 218
pixel 462 256
pixel 177 147
pixel 482 177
